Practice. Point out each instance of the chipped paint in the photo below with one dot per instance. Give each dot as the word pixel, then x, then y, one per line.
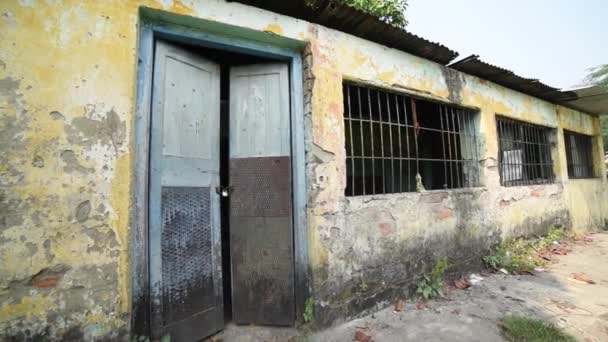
pixel 179 7
pixel 29 308
pixel 273 28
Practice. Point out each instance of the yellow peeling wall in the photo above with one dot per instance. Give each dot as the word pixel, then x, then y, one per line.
pixel 67 97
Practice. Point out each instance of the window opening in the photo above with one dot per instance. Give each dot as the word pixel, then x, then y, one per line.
pixel 524 155
pixel 579 155
pixel 396 143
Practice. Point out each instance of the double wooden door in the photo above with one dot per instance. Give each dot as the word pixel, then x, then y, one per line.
pixel 184 196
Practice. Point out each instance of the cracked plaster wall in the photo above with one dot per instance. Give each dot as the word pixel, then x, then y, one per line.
pixel 368 250
pixel 67 94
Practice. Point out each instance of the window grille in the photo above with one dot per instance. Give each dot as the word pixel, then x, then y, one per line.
pixel 524 155
pixel 579 155
pixel 395 143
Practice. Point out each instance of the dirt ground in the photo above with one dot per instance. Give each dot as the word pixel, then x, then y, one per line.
pixel 472 314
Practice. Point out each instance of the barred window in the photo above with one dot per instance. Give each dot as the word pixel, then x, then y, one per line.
pixel 579 155
pixel 395 143
pixel 524 155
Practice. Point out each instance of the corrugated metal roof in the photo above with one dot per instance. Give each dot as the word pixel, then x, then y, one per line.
pixel 341 17
pixel 350 20
pixel 593 99
pixel 474 66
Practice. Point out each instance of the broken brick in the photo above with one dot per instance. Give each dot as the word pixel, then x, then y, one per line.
pixel 583 278
pixel 536 193
pixel 445 214
pixel 461 284
pixel 399 305
pixel 49 277
pixel 362 337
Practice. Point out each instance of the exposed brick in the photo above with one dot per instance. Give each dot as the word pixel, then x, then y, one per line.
pixel 49 277
pixel 537 193
pixel 46 281
pixel 386 228
pixel 445 214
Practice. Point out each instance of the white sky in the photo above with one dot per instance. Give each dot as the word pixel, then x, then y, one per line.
pixel 555 41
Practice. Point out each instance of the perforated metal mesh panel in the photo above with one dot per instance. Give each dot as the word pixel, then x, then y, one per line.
pixel 261 241
pixel 187 284
pixel 262 186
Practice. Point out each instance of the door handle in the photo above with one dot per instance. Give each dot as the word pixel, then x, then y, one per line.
pixel 224 191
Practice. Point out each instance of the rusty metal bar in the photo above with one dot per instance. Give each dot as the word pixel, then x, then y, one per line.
pixel 445 166
pixel 528 159
pixel 352 145
pixel 466 182
pixel 362 138
pixel 371 129
pixel 477 155
pixel 455 149
pixel 535 137
pixel 381 142
pixel 390 134
pixel 542 159
pixel 415 121
pixel 407 143
pixel 447 119
pixel 400 143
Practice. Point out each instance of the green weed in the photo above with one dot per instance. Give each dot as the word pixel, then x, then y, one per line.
pixel 520 255
pixel 431 286
pixel 309 306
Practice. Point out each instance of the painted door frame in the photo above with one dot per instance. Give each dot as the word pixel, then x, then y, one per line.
pixel 155 25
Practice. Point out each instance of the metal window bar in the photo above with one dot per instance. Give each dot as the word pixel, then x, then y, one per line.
pixel 579 155
pixel 524 153
pixel 383 145
pixel 407 142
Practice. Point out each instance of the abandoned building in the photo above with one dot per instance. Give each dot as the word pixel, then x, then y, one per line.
pixel 170 166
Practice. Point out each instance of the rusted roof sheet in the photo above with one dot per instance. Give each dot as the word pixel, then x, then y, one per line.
pixel 347 19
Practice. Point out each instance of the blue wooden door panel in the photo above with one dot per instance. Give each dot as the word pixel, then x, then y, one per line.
pixel 184 227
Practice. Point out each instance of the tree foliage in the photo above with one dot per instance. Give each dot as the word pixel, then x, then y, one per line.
pixel 390 11
pixel 604 127
pixel 599 76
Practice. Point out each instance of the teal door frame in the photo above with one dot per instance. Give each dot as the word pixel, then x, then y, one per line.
pixel 155 24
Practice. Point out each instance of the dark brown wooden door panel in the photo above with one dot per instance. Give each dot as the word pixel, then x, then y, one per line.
pixel 261 234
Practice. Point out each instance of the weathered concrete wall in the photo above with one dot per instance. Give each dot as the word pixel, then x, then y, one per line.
pixel 66 101
pixel 67 94
pixel 368 249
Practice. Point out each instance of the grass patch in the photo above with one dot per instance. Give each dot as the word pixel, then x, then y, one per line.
pixel 521 255
pixel 518 328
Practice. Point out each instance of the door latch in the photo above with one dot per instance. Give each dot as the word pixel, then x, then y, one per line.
pixel 224 191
